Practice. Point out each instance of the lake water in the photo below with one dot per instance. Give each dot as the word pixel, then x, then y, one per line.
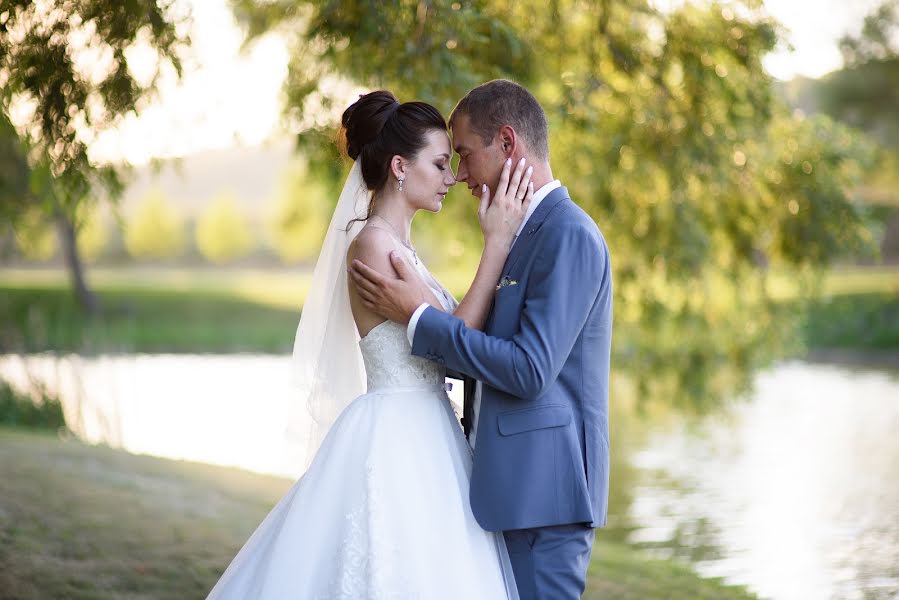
pixel 793 492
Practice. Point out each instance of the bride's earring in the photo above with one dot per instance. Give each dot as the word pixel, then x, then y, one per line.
pixel 401 180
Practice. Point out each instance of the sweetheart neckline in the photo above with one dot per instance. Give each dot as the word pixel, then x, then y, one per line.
pixel 368 335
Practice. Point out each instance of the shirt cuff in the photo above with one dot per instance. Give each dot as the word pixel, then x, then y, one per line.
pixel 413 322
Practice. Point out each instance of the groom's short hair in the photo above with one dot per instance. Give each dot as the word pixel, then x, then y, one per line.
pixel 502 102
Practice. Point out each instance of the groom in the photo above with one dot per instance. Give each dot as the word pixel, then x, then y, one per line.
pixel 538 416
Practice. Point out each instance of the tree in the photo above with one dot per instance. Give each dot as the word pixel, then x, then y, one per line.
pixel 156 229
pixel 864 94
pixel 878 39
pixel 93 233
pixel 34 237
pixel 664 128
pixel 300 215
pixel 13 173
pixel 429 51
pixel 65 105
pixel 223 233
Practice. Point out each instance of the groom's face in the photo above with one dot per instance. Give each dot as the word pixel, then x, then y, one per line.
pixel 478 163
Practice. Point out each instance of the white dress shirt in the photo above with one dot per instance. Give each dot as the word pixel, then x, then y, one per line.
pixel 539 195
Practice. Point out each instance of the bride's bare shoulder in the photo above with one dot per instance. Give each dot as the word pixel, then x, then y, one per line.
pixel 372 246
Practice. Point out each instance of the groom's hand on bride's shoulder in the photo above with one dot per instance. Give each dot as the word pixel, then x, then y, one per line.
pixel 394 299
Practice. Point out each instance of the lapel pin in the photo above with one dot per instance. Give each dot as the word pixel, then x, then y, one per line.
pixel 506 282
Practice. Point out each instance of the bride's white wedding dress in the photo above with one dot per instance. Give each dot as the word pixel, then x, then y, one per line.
pixel 383 511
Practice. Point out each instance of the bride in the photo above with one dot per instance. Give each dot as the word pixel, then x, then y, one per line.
pixel 382 510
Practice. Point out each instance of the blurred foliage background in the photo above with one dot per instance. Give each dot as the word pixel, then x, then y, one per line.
pixel 750 220
pixel 716 186
pixel 666 129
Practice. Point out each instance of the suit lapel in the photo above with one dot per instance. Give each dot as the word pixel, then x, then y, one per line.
pixel 527 235
pixel 532 225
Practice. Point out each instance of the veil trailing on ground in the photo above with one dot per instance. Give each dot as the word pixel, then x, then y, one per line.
pixel 327 371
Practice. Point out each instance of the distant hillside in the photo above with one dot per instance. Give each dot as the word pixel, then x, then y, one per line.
pixel 250 174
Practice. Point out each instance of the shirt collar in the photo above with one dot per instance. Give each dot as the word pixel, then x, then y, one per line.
pixel 539 195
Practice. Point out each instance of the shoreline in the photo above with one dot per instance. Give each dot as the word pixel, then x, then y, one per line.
pixel 851 357
pixel 89 522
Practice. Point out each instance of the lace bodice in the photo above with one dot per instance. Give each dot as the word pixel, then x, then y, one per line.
pixel 389 362
pixel 386 352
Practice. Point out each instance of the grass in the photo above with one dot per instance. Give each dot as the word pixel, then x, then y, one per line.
pixel 87 522
pixel 142 320
pixel 855 321
pixel 234 310
pixel 841 282
pixel 280 288
pixel 41 410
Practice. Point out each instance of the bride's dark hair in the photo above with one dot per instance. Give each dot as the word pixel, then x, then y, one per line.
pixel 378 127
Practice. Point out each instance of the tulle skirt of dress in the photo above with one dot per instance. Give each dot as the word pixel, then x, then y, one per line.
pixel 381 513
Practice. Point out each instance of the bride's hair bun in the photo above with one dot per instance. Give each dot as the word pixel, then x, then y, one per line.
pixel 365 118
pixel 376 127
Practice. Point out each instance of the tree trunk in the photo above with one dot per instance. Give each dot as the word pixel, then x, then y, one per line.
pixel 86 298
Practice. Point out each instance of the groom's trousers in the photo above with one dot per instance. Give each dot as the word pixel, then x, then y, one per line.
pixel 550 563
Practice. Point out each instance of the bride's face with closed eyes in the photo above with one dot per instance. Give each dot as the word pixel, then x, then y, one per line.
pixel 430 175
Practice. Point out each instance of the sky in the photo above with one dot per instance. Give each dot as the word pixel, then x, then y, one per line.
pixel 229 98
pixel 815 27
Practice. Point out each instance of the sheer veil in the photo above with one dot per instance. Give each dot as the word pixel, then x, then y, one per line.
pixel 327 371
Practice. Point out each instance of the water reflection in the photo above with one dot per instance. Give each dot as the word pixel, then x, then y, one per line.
pixel 226 410
pixel 794 492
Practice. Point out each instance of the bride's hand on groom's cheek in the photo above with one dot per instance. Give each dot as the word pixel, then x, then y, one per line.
pixel 393 299
pixel 501 214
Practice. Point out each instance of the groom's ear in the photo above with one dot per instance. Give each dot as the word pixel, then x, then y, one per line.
pixel 508 140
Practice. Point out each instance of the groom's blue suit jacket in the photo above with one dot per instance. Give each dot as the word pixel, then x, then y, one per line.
pixel 542 448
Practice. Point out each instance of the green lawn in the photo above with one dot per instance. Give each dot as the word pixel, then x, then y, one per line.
pixel 86 522
pixel 182 310
pixel 280 288
pixel 841 282
pixel 143 320
pixel 868 322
